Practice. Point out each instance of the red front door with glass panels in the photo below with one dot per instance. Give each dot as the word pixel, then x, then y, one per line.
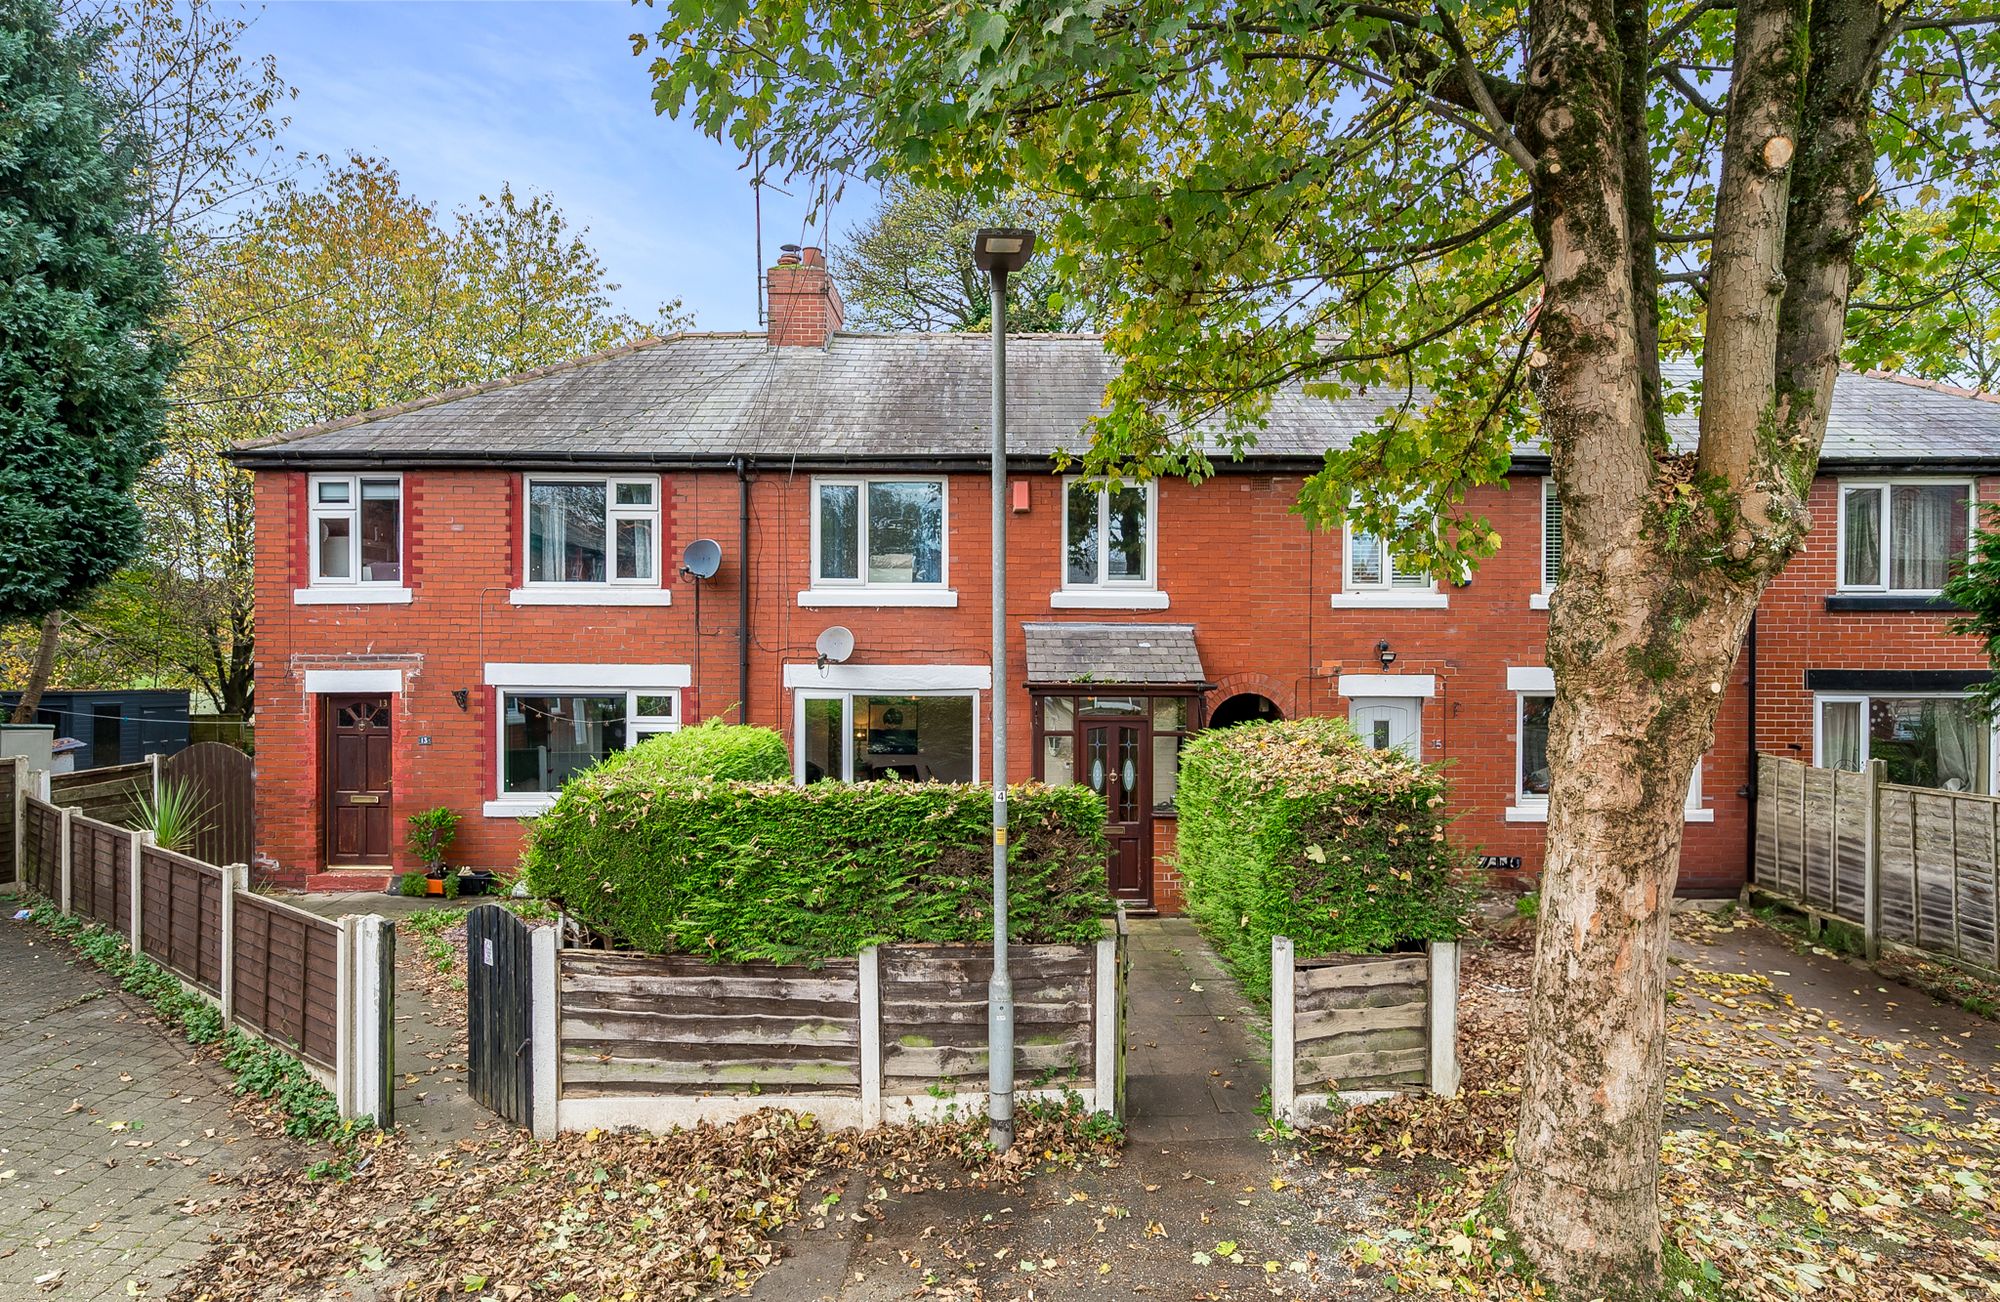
pixel 1115 765
pixel 359 818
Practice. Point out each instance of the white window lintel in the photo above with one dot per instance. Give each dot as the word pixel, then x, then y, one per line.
pixel 587 677
pixel 322 682
pixel 1403 685
pixel 890 678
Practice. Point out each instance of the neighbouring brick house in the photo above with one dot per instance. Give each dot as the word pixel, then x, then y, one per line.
pixel 463 599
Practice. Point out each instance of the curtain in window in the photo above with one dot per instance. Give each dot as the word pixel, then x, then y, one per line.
pixel 1959 743
pixel 1926 534
pixel 1861 564
pixel 1840 735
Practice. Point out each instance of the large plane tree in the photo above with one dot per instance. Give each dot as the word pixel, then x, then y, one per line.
pixel 1509 215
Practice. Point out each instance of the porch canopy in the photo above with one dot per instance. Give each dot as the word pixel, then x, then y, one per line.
pixel 1121 655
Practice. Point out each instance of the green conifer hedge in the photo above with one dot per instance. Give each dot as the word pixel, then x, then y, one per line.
pixel 765 870
pixel 1296 829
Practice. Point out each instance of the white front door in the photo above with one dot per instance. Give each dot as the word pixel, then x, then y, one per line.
pixel 1383 722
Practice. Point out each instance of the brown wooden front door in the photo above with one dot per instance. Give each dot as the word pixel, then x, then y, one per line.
pixel 359 814
pixel 1115 763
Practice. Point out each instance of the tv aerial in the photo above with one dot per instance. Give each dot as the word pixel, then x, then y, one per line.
pixel 834 646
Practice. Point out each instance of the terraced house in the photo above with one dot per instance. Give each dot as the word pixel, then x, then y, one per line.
pixel 463 600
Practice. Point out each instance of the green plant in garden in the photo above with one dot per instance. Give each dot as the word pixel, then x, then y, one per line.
pixel 411 884
pixel 712 749
pixel 738 871
pixel 1296 829
pixel 1976 588
pixel 175 814
pixel 431 832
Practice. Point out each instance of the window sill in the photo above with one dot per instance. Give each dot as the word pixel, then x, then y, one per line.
pixel 1107 599
pixel 588 594
pixel 1540 814
pixel 1389 599
pixel 518 807
pixel 1538 601
pixel 814 598
pixel 358 594
pixel 1891 601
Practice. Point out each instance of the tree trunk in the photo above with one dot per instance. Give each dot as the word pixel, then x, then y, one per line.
pixel 45 665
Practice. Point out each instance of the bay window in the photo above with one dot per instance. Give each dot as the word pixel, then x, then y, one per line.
pixel 1903 537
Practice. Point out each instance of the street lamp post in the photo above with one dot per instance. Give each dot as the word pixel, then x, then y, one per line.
pixel 999 252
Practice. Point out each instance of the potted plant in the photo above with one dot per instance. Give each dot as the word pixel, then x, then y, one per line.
pixel 431 831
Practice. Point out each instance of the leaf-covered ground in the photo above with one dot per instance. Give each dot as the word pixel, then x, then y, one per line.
pixel 1843 1145
pixel 591 1216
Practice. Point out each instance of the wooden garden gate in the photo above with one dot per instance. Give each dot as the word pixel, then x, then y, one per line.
pixel 498 973
pixel 223 785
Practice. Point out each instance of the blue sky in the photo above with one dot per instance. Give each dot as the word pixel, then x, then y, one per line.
pixel 461 96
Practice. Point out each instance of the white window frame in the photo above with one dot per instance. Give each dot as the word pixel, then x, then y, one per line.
pixel 630 681
pixel 1105 592
pixel 1539 599
pixel 1534 681
pixel 613 513
pixel 1884 487
pixel 1865 699
pixel 356 590
pixel 846 695
pixel 858 591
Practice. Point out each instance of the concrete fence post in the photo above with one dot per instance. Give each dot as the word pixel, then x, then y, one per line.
pixel 17 837
pixel 139 842
pixel 1284 1052
pixel 366 1077
pixel 63 852
pixel 1871 855
pixel 235 877
pixel 153 774
pixel 346 977
pixel 1443 1019
pixel 1104 1010
pixel 869 993
pixel 544 1028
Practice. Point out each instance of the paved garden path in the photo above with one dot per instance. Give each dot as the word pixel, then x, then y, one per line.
pixel 1193 1177
pixel 117 1144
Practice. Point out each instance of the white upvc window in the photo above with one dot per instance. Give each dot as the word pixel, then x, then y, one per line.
pixel 1110 547
pixel 557 720
pixel 1552 544
pixel 1534 702
pixel 1373 576
pixel 357 529
pixel 1904 536
pixel 863 736
pixel 880 541
pixel 1924 739
pixel 592 531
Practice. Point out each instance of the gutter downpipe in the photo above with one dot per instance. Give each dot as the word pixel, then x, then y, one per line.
pixel 742 465
pixel 1750 726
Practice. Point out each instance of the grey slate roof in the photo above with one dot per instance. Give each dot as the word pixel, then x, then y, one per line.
pixel 1117 654
pixel 886 398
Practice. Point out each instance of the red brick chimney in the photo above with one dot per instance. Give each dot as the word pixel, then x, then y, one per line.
pixel 803 308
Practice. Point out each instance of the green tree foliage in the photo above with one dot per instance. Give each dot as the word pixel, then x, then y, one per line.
pixel 83 360
pixel 1977 589
pixel 735 871
pixel 909 267
pixel 1296 829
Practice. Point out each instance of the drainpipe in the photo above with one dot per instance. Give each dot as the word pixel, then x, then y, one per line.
pixel 742 589
pixel 1750 727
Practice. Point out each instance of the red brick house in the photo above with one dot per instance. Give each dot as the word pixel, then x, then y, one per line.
pixel 463 599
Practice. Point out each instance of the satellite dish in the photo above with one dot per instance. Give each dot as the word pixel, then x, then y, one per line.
pixel 835 645
pixel 702 558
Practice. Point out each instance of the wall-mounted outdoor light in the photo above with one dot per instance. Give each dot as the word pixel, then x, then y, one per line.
pixel 1384 654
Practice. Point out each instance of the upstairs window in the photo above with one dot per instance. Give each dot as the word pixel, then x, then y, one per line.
pixel 1903 537
pixel 357 529
pixel 1107 534
pixel 1552 535
pixel 1373 565
pixel 878 533
pixel 594 531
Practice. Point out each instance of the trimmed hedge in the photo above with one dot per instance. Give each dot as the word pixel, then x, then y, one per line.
pixel 712 749
pixel 1294 828
pixel 737 871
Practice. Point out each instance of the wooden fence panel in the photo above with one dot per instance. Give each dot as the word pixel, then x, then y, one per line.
pixel 1896 863
pixel 285 976
pixel 634 1024
pixel 180 916
pixel 100 872
pixel 934 1015
pixel 1361 1022
pixel 41 848
pixel 219 778
pixel 13 772
pixel 111 794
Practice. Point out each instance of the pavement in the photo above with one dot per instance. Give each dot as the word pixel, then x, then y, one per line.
pixel 118 1146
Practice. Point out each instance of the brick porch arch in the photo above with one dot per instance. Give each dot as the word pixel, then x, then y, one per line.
pixel 1279 694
